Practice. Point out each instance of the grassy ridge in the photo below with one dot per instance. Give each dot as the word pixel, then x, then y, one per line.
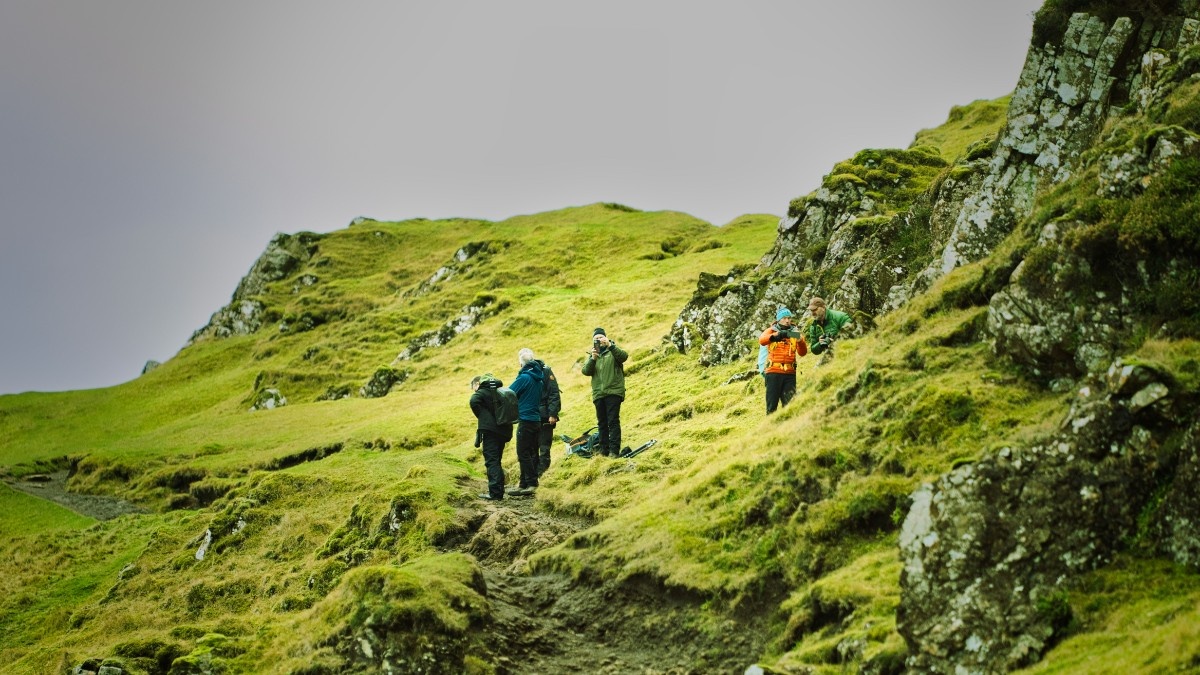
pixel 389 484
pixel 327 515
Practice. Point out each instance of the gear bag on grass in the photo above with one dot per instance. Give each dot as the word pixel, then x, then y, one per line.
pixel 506 406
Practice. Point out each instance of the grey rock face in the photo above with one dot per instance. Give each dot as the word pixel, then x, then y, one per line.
pixel 471 315
pixel 1177 523
pixel 987 548
pixel 381 382
pixel 1062 99
pixel 268 399
pixel 244 313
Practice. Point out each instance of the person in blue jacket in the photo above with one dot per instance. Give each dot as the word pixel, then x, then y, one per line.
pixel 528 386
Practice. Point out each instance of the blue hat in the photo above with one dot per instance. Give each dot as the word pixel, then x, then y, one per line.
pixel 783 311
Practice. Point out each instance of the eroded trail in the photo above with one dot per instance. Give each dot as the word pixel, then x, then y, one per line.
pixel 552 624
pixel 53 487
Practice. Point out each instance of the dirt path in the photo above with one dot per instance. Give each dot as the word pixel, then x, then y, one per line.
pixel 53 487
pixel 550 624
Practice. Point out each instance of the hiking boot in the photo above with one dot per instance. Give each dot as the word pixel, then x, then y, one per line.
pixel 488 497
pixel 514 490
pixel 523 492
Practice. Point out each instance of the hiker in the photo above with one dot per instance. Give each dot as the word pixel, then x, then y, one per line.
pixel 528 386
pixel 784 345
pixel 825 326
pixel 550 407
pixel 605 366
pixel 489 432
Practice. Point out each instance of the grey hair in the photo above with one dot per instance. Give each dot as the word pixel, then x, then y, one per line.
pixel 525 355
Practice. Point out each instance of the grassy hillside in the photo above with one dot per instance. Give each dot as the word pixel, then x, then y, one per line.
pixel 750 538
pixel 182 441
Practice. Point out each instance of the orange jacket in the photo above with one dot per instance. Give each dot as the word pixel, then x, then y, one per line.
pixel 782 355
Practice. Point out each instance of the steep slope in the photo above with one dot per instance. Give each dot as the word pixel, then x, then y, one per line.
pixel 286 501
pixel 996 471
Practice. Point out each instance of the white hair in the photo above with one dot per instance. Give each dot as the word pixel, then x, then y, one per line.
pixel 525 355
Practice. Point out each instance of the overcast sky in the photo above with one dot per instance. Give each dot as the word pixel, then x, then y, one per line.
pixel 149 150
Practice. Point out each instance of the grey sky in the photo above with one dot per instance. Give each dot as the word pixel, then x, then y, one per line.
pixel 149 150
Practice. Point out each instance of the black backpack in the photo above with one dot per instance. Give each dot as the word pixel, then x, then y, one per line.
pixel 507 411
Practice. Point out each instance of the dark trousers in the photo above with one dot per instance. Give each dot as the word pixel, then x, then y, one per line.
pixel 545 441
pixel 781 387
pixel 527 451
pixel 608 418
pixel 493 449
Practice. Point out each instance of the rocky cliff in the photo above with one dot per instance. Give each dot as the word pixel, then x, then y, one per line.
pixel 1085 214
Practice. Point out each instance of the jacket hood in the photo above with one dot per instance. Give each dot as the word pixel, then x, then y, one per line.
pixel 535 370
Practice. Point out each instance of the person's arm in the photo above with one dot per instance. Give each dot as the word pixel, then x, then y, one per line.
pixel 554 398
pixel 589 366
pixel 801 347
pixel 519 383
pixel 841 319
pixel 619 355
pixel 766 336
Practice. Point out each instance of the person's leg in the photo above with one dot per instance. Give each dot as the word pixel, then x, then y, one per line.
pixel 545 440
pixel 493 450
pixel 774 384
pixel 612 410
pixel 602 422
pixel 788 389
pixel 527 451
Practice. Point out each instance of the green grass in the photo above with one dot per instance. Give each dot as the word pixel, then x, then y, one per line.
pixel 975 125
pixel 181 437
pixel 1135 616
pixel 323 512
pixel 22 514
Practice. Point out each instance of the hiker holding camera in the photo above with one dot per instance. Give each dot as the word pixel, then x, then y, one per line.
pixel 605 365
pixel 825 326
pixel 784 345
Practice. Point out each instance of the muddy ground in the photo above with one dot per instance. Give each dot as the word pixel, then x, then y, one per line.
pixel 544 623
pixel 53 487
pixel 549 624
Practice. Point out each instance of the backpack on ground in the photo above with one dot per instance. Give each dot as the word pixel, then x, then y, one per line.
pixel 584 445
pixel 506 406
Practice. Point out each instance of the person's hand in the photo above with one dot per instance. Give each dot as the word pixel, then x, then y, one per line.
pixel 775 337
pixel 824 339
pixel 553 420
pixel 603 340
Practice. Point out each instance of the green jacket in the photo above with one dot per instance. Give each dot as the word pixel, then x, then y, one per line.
pixel 834 320
pixel 607 372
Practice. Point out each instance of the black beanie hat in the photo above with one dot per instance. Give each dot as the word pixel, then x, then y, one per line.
pixel 599 331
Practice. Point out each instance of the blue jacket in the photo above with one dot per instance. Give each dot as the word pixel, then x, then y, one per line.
pixel 528 385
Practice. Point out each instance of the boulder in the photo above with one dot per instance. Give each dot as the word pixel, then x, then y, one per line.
pixel 990 548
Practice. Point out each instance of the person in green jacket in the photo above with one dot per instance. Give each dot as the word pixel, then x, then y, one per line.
pixel 605 365
pixel 825 326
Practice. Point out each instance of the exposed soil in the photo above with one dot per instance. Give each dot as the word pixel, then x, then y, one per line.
pixel 53 487
pixel 551 624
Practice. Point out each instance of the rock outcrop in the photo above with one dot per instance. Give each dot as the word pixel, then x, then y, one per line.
pixel 867 244
pixel 245 312
pixel 988 549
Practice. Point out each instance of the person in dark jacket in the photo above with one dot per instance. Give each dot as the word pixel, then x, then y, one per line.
pixel 488 433
pixel 528 386
pixel 605 365
pixel 550 408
